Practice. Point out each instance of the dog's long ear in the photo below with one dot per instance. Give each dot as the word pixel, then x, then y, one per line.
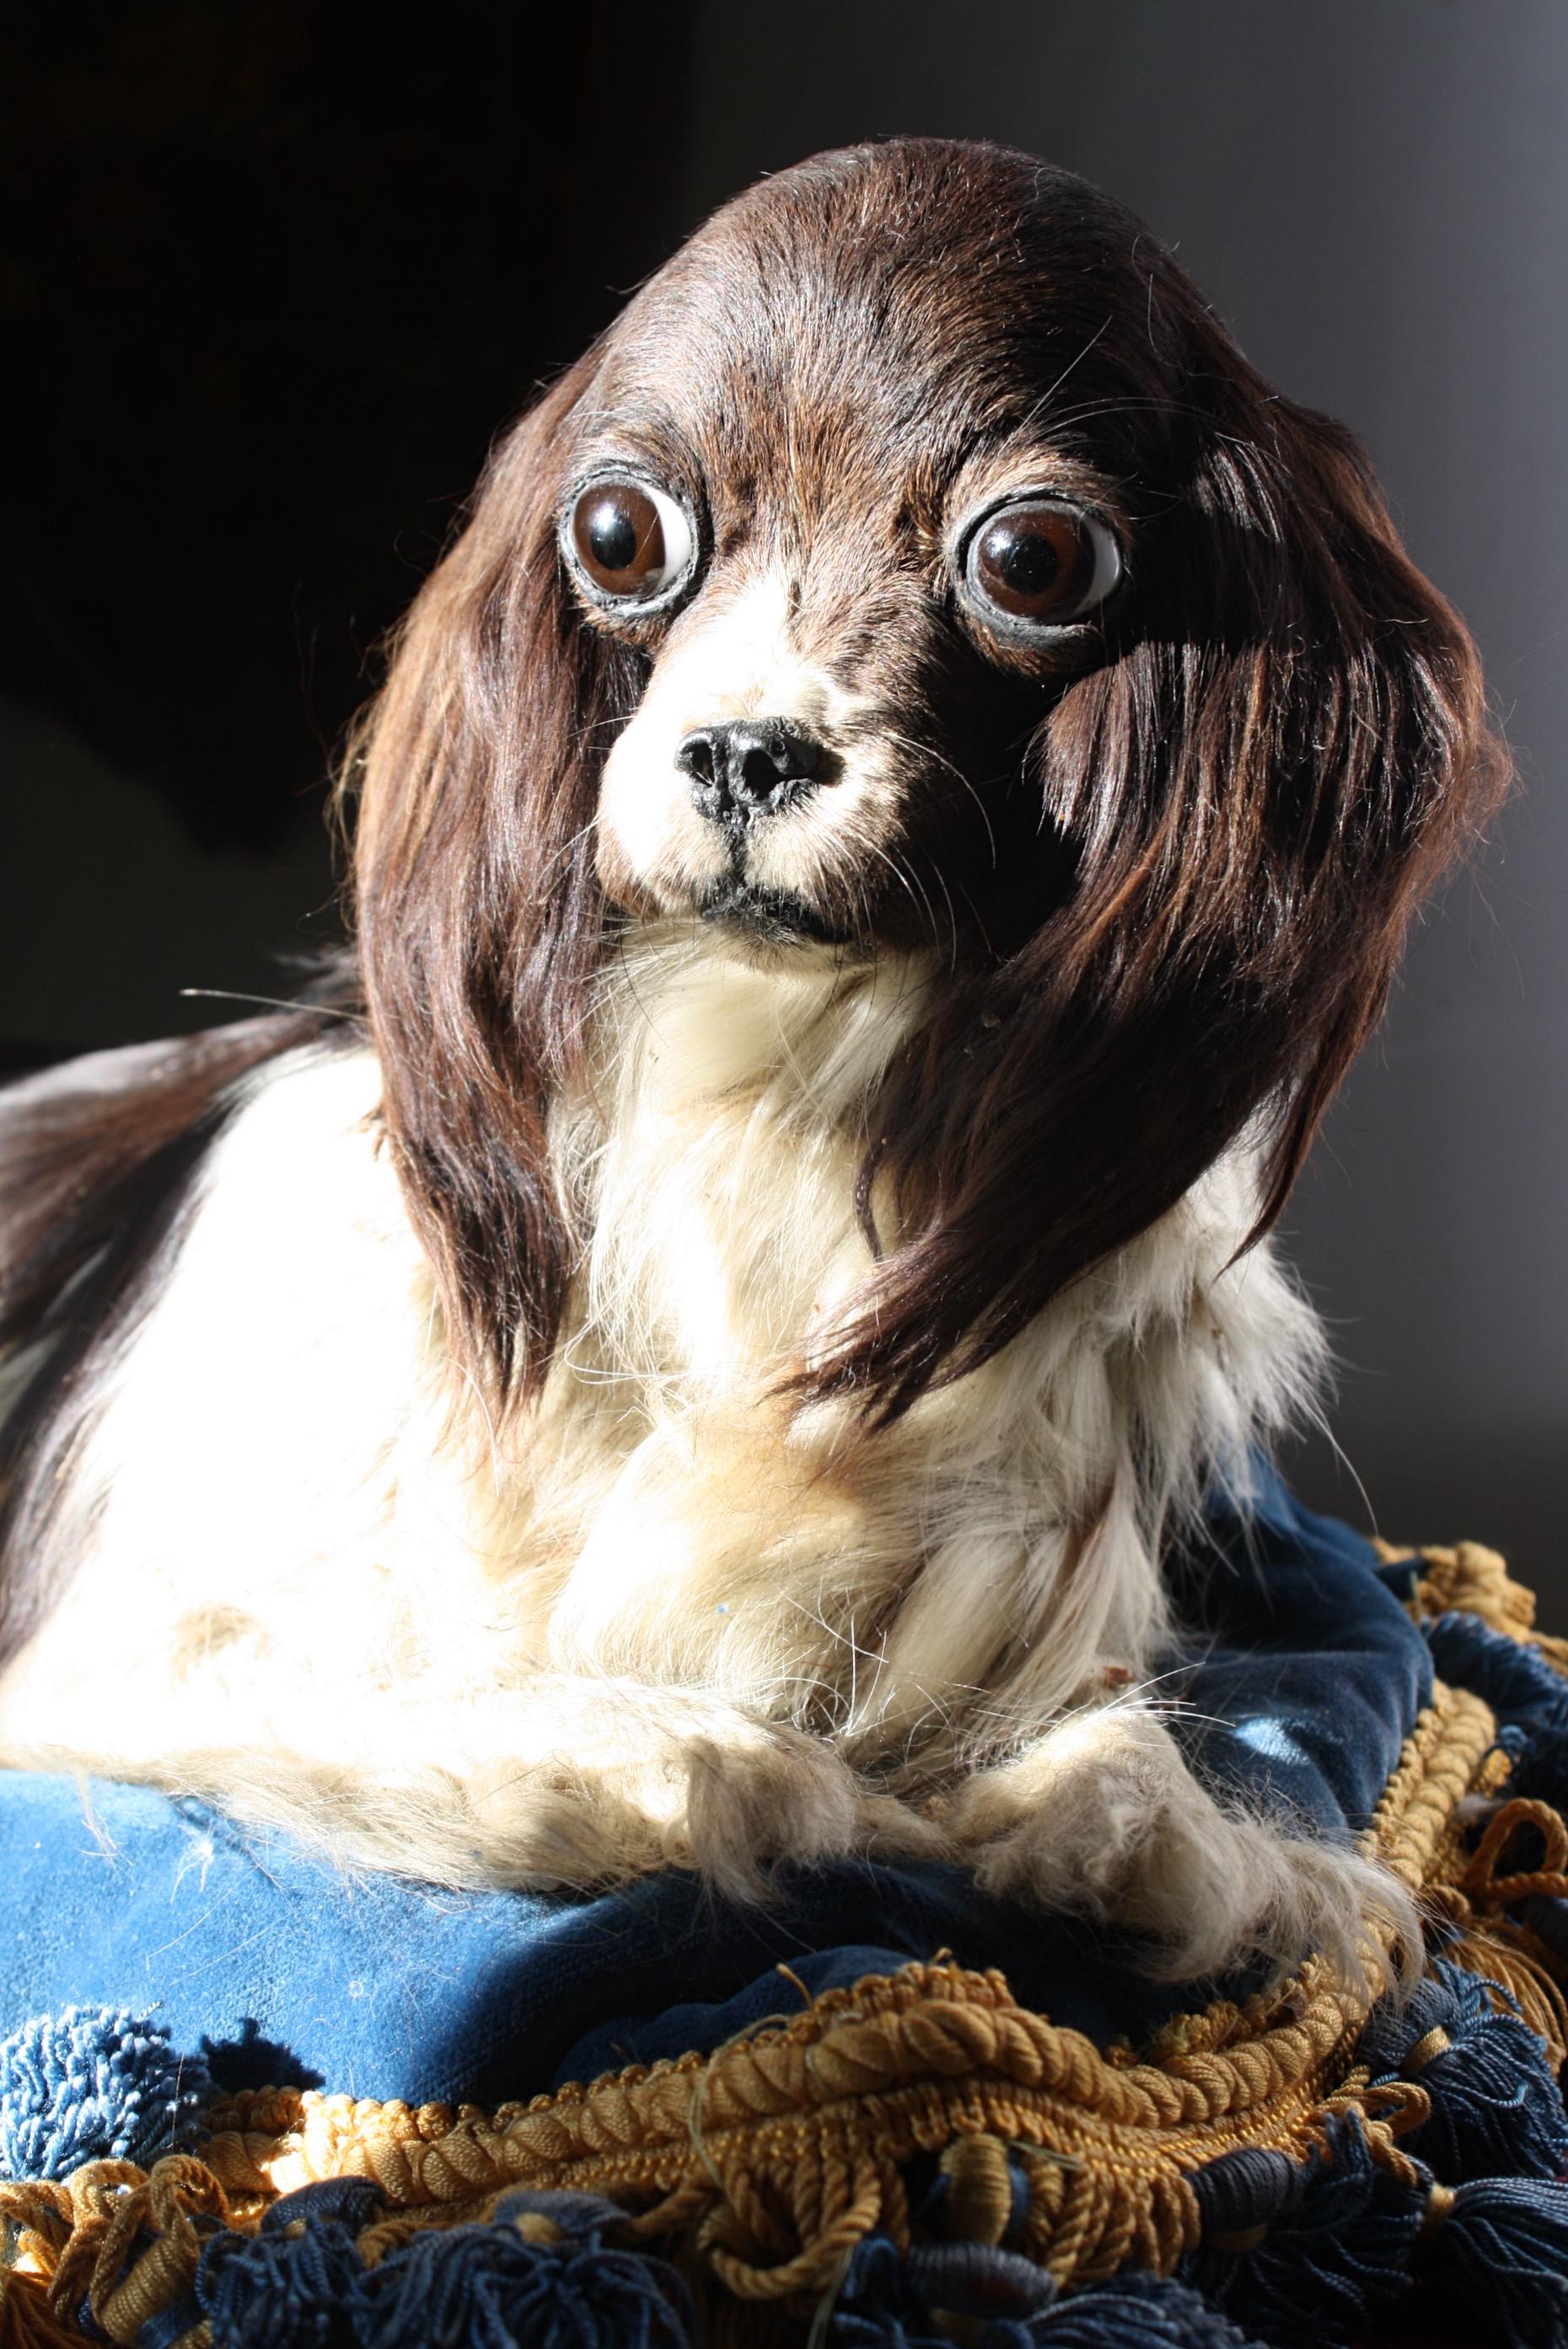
pixel 478 915
pixel 1284 744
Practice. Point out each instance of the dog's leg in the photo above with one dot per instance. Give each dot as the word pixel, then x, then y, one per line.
pixel 1102 1816
pixel 582 1778
pixel 565 1779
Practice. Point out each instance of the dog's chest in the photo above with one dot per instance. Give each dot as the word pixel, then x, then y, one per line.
pixel 692 1516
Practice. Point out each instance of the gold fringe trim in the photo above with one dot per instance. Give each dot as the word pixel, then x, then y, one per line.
pixel 761 2166
pixel 1474 1580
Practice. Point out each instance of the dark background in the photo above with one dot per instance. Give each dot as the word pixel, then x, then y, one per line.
pixel 273 273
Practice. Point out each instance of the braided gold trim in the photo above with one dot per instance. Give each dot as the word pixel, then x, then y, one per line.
pixel 1475 1580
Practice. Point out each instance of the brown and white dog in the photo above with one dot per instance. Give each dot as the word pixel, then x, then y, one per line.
pixel 876 846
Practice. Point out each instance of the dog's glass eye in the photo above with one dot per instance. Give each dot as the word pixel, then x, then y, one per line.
pixel 1039 563
pixel 632 543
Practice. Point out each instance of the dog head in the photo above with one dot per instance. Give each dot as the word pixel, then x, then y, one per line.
pixel 916 564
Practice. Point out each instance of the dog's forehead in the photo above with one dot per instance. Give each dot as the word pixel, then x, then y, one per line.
pixel 883 318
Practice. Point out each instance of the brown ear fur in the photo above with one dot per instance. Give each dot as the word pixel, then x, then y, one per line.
pixel 1283 749
pixel 478 917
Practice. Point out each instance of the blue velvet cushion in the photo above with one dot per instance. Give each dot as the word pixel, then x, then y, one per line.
pixel 1301 1682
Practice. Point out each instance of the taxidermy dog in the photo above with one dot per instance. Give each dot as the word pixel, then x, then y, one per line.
pixel 875 848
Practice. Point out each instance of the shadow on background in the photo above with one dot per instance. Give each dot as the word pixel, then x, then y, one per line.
pixel 275 272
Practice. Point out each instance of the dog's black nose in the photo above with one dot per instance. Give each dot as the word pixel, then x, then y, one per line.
pixel 752 767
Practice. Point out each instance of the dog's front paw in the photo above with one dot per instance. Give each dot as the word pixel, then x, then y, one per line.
pixel 601 1780
pixel 1103 1817
pixel 765 1795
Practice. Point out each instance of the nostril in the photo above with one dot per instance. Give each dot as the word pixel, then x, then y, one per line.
pixel 696 756
pixel 770 761
pixel 763 768
pixel 796 755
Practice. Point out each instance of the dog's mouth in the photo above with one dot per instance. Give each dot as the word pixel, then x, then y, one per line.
pixel 769 917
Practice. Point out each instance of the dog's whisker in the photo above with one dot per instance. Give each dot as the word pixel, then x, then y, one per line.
pixel 1051 389
pixel 950 767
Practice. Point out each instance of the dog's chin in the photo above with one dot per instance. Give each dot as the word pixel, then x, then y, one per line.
pixel 769 922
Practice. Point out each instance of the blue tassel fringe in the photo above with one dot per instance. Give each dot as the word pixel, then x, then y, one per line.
pixel 1338 2242
pixel 94 2083
pixel 1500 2257
pixel 889 2303
pixel 301 2282
pixel 1522 1689
pixel 1497 2109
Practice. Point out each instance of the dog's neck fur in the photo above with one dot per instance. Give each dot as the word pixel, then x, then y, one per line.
pixel 1003 1537
pixel 664 1513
